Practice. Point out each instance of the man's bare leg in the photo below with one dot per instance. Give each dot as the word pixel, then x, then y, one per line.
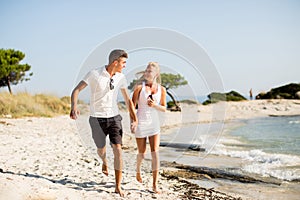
pixel 118 164
pixel 118 189
pixel 102 154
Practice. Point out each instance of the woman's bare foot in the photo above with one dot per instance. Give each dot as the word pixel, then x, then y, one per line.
pixel 105 169
pixel 119 191
pixel 155 190
pixel 139 177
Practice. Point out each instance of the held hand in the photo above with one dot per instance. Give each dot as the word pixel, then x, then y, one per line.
pixel 133 127
pixel 74 114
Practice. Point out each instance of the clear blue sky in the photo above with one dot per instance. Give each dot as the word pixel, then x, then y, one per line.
pixel 254 44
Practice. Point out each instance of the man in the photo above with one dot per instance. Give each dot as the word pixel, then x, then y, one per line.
pixel 104 118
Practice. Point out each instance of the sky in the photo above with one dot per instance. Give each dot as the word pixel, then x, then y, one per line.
pixel 252 44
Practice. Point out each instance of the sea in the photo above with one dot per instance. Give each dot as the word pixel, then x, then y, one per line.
pixel 266 147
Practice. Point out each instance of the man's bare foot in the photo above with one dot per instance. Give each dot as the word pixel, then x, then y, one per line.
pixel 139 177
pixel 155 190
pixel 119 191
pixel 105 169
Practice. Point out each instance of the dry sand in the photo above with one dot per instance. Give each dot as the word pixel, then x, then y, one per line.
pixel 45 158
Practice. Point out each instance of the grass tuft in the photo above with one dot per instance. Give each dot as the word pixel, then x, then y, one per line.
pixel 40 105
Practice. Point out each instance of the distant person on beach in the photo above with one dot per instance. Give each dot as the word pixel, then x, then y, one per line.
pixel 150 97
pixel 250 93
pixel 105 82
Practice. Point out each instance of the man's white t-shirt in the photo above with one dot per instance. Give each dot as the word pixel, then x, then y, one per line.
pixel 103 100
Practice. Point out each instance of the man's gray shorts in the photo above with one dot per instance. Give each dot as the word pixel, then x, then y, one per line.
pixel 101 127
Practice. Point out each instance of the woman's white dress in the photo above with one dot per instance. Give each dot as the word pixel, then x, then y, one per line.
pixel 148 119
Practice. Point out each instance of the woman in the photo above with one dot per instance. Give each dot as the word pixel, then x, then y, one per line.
pixel 150 97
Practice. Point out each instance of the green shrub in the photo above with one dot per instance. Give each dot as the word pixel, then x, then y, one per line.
pixel 283 92
pixel 170 104
pixel 229 96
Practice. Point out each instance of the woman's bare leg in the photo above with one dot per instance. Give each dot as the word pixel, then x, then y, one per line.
pixel 154 145
pixel 141 145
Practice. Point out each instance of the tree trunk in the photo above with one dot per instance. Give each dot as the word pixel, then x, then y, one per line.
pixel 8 85
pixel 175 102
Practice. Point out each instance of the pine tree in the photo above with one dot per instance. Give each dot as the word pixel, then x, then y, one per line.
pixel 11 71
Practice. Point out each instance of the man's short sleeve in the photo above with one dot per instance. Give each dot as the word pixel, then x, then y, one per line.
pixel 87 77
pixel 123 82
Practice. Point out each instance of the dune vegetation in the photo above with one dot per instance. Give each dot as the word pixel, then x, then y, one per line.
pixel 27 105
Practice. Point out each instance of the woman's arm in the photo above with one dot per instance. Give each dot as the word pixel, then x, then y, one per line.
pixel 136 94
pixel 162 104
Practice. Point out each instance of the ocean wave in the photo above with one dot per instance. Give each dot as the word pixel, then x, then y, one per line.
pixel 294 122
pixel 269 170
pixel 281 166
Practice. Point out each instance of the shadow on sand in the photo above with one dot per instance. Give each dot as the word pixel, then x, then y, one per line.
pixel 87 186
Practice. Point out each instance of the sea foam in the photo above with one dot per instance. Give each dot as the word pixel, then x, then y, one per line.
pixel 281 166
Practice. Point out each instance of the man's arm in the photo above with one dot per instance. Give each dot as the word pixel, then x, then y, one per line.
pixel 129 105
pixel 74 98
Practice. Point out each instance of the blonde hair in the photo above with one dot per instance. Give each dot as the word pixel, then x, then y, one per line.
pixel 142 77
pixel 156 66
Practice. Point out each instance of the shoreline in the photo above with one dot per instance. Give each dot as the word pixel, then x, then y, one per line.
pixel 287 189
pixel 45 158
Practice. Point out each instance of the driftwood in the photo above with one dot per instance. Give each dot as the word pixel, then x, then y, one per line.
pixel 194 147
pixel 218 173
pixel 275 115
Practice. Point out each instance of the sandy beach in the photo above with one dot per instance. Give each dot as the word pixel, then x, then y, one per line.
pixel 53 158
